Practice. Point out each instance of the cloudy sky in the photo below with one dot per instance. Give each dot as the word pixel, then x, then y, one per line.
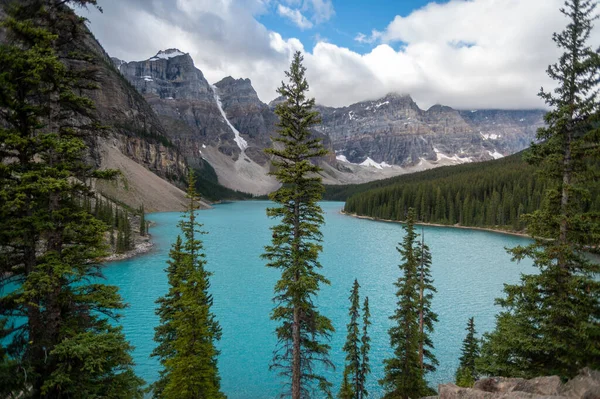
pixel 467 54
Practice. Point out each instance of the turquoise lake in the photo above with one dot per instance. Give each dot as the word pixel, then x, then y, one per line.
pixel 469 268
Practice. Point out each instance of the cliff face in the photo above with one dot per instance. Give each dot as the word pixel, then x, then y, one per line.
pixel 131 126
pixel 185 101
pixel 250 116
pixel 396 131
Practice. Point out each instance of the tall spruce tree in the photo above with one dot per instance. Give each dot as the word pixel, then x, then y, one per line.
pixel 404 376
pixel 427 317
pixel 352 345
pixel 550 325
pixel 296 239
pixel 188 329
pixel 466 374
pixel 60 340
pixel 365 347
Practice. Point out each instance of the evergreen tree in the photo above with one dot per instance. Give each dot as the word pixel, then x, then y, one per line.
pixel 404 376
pixel 143 228
pixel 550 322
pixel 296 239
pixel 466 374
pixel 365 368
pixel 188 329
pixel 352 345
pixel 60 341
pixel 346 389
pixel 427 317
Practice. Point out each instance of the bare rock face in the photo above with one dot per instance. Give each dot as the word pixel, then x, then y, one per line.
pixel 396 131
pixel 184 100
pixel 250 116
pixel 586 385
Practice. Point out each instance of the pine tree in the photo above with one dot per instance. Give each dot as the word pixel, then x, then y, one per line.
pixel 427 317
pixel 142 213
pixel 365 368
pixel 296 239
pixel 188 329
pixel 352 345
pixel 64 343
pixel 466 374
pixel 404 376
pixel 549 325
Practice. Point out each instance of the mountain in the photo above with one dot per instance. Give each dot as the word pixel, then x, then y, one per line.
pixel 194 114
pixel 225 127
pixel 134 140
pixel 395 131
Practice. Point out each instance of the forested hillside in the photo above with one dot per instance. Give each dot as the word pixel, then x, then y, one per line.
pixel 489 194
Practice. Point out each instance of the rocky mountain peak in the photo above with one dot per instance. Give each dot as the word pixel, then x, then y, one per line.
pixel 168 54
pixel 241 89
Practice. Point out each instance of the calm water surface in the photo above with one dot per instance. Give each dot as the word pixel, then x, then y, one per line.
pixel 469 268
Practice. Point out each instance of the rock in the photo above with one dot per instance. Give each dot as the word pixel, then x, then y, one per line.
pixel 586 385
pixel 185 102
pixel 541 386
pixel 497 384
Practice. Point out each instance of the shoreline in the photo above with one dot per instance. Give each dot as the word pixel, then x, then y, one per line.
pixel 141 248
pixel 512 233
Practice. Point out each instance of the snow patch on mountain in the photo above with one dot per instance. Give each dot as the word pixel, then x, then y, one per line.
pixel 491 136
pixel 242 144
pixel 496 154
pixel 166 54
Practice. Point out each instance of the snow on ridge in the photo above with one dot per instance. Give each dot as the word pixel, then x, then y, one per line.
pixel 455 158
pixel 381 104
pixel 370 162
pixel 490 136
pixel 367 162
pixel 495 154
pixel 165 55
pixel 242 144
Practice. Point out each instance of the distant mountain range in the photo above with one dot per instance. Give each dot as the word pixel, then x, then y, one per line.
pixel 227 125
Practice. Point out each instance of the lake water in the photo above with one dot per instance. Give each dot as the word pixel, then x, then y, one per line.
pixel 469 268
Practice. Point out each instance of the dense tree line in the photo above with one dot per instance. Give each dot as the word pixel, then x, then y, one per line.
pixel 490 194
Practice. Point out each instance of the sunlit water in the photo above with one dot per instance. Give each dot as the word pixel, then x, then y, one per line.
pixel 469 268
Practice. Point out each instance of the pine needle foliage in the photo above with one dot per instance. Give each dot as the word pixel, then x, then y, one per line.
pixel 58 320
pixel 466 374
pixel 404 377
pixel 357 348
pixel 427 317
pixel 296 240
pixel 188 329
pixel 550 323
pixel 365 347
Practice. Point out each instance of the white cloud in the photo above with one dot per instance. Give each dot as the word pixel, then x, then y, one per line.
pixel 295 16
pixel 372 38
pixel 465 54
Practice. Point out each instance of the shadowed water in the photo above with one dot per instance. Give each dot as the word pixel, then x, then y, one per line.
pixel 469 268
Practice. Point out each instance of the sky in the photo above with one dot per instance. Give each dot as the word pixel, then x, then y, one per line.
pixel 467 54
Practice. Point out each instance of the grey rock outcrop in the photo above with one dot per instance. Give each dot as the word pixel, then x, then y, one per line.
pixel 250 116
pixel 586 385
pixel 396 131
pixel 185 101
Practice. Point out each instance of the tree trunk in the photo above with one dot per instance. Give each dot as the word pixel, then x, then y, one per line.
pixel 296 360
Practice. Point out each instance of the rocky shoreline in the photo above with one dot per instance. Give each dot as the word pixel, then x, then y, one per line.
pixel 143 245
